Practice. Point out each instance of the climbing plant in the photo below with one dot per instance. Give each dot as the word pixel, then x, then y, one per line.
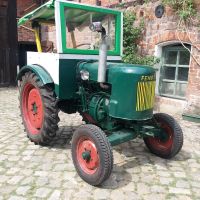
pixel 132 35
pixel 184 8
pixel 188 16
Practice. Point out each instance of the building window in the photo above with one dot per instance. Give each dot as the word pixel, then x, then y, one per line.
pixel 174 71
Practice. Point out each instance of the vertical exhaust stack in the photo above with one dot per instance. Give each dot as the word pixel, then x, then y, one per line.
pixel 97 27
pixel 102 60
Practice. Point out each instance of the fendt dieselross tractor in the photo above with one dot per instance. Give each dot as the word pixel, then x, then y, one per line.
pixel 84 73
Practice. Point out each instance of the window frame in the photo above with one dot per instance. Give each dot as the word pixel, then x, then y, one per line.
pixel 118 29
pixel 177 49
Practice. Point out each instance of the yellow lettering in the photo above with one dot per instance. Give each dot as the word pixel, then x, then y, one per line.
pixel 148 78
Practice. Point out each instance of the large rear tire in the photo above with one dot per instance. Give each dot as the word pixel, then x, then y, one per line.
pixel 38 109
pixel 92 154
pixel 172 144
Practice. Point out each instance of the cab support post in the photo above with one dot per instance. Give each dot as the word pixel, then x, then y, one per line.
pixel 36 29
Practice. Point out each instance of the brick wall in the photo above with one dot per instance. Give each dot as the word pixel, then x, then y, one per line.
pixel 48 33
pixel 161 31
pixel 24 32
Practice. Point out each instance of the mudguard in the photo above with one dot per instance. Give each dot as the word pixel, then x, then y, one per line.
pixel 38 70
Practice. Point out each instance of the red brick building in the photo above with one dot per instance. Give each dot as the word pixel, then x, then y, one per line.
pixel 24 6
pixel 178 73
pixel 26 40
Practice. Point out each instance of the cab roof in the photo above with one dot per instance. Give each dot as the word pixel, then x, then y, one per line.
pixel 42 13
pixel 46 12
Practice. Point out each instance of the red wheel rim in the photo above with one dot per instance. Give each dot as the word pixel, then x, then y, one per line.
pixel 86 145
pixel 32 108
pixel 158 144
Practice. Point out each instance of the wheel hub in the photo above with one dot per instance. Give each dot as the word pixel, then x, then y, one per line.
pixel 164 137
pixel 88 156
pixel 164 140
pixel 35 108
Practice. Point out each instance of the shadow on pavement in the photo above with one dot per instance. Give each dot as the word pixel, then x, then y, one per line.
pixel 63 138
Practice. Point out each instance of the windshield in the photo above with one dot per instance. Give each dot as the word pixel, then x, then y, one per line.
pixel 78 34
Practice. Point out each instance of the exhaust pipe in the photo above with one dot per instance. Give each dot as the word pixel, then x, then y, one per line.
pixel 97 27
pixel 102 60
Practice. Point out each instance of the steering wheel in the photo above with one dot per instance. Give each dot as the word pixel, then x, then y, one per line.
pixel 83 44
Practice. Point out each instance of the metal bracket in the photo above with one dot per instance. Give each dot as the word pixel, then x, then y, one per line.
pixel 151 131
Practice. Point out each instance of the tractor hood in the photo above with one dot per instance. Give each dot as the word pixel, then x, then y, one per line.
pixel 115 70
pixel 133 89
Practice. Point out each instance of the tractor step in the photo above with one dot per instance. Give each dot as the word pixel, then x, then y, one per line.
pixel 124 135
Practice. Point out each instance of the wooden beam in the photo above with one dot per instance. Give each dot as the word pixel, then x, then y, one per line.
pixel 8 46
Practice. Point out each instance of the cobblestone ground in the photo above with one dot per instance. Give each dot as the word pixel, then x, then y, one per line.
pixel 28 171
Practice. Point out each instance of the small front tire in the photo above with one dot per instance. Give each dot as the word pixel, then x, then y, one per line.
pixel 169 147
pixel 92 154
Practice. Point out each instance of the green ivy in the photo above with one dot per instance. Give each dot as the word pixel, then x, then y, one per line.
pixel 131 37
pixel 184 8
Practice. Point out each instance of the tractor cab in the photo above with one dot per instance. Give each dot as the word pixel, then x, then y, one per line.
pixel 75 40
pixel 73 24
pixel 84 73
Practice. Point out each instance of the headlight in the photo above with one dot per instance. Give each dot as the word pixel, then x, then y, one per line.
pixel 96 26
pixel 84 75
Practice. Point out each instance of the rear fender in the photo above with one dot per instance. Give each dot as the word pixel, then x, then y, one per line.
pixel 43 75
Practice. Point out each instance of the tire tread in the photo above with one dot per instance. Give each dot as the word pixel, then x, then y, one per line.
pixel 105 149
pixel 51 119
pixel 177 134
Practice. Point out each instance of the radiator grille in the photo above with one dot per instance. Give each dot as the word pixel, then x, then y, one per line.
pixel 145 95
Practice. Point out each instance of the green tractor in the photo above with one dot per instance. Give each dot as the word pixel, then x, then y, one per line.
pixel 85 74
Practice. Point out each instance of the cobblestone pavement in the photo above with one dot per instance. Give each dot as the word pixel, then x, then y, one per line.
pixel 28 171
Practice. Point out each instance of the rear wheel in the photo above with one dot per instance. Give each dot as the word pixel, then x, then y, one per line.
pixel 171 144
pixel 92 154
pixel 38 109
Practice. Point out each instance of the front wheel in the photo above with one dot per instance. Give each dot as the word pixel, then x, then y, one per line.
pixel 172 143
pixel 92 154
